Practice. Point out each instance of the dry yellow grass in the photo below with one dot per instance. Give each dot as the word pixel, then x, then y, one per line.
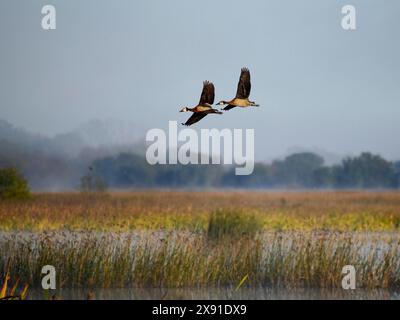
pixel 123 211
pixel 204 238
pixel 7 293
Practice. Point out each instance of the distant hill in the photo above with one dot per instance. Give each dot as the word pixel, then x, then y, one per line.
pixel 57 163
pixel 65 144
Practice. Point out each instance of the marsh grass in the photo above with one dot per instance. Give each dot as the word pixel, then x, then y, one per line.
pixel 182 259
pixel 233 224
pixel 183 240
pixel 152 210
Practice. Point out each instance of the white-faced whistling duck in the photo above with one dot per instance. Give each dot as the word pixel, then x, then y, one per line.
pixel 204 107
pixel 242 93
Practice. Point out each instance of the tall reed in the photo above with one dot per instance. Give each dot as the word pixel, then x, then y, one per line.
pixel 185 259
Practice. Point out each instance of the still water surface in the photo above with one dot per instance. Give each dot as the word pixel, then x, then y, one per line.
pixel 220 293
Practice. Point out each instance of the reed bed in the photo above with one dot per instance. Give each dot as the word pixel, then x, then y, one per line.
pixel 203 239
pixel 152 210
pixel 171 259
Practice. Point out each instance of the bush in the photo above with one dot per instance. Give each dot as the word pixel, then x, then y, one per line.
pixel 13 185
pixel 224 223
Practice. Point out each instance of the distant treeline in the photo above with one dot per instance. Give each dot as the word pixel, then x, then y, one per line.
pixel 300 170
pixel 66 162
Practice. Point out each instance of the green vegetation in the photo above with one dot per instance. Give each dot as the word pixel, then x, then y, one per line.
pixel 203 239
pixel 13 185
pixel 233 224
pixel 182 259
pixel 299 170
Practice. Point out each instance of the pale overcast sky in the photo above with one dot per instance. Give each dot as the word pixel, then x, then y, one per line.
pixel 318 85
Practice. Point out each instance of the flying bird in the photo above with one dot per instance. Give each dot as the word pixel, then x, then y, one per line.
pixel 204 107
pixel 242 93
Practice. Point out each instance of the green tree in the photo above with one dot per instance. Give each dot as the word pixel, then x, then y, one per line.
pixel 13 185
pixel 366 171
pixel 323 177
pixel 298 169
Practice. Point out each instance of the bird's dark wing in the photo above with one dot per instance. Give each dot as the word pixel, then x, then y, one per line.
pixel 228 107
pixel 244 85
pixel 208 93
pixel 195 117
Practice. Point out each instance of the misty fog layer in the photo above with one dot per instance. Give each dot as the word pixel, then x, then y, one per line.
pixel 320 87
pixel 73 161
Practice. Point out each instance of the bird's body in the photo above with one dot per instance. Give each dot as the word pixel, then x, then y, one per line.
pixel 201 108
pixel 204 107
pixel 242 93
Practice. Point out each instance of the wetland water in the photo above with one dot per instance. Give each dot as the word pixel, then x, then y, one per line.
pixel 220 294
pixel 372 245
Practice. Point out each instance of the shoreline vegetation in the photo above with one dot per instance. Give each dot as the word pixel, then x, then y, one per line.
pixel 203 239
pixel 185 259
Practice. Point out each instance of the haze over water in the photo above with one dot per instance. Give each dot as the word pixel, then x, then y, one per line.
pixel 320 87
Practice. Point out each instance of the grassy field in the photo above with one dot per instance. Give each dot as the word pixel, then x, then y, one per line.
pixel 203 239
pixel 338 211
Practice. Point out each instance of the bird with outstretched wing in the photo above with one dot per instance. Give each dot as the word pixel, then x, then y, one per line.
pixel 242 93
pixel 204 107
